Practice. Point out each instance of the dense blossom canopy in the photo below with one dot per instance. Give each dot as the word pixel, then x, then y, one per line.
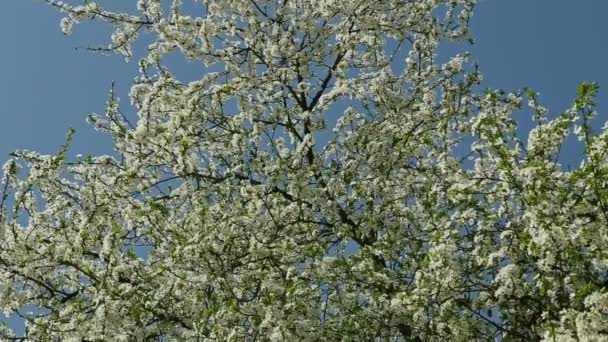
pixel 326 178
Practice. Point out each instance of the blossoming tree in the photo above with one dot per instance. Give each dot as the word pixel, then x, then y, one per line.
pixel 325 179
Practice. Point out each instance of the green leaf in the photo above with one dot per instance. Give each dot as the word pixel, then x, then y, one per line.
pixel 116 229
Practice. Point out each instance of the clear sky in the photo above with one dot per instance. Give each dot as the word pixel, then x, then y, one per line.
pixel 47 86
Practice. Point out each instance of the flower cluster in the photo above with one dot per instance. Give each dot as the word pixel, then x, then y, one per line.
pixel 325 179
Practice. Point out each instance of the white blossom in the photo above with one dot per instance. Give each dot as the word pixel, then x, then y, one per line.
pixel 309 185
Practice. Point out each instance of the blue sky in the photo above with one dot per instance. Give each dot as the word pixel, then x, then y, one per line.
pixel 47 86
